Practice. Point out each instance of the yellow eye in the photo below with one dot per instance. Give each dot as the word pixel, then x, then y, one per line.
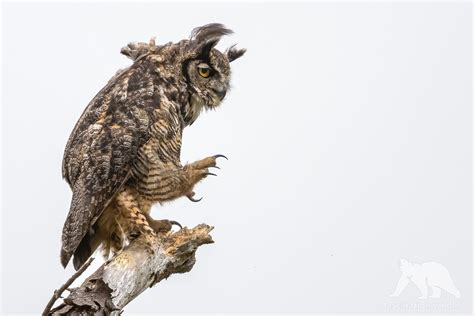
pixel 204 72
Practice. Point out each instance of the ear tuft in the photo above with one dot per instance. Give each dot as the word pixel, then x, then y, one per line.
pixel 209 32
pixel 234 53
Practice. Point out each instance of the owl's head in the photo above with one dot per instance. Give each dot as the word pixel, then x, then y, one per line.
pixel 206 69
pixel 194 62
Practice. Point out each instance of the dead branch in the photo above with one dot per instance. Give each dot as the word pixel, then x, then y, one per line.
pixel 57 293
pixel 145 262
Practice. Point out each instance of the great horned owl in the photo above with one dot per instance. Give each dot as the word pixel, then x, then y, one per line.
pixel 124 152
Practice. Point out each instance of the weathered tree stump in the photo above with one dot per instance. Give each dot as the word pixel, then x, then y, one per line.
pixel 145 262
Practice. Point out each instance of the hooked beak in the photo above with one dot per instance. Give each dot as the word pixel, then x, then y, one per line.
pixel 220 90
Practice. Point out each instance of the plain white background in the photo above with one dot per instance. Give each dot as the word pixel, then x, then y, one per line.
pixel 348 130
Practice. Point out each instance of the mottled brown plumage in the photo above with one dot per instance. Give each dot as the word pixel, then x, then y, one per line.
pixel 124 152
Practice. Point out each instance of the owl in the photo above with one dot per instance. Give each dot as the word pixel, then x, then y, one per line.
pixel 123 155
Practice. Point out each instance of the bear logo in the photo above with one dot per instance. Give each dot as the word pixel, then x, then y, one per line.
pixel 429 274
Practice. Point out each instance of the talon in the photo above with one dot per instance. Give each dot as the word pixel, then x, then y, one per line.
pixel 217 167
pixel 220 156
pixel 176 223
pixel 209 174
pixel 190 197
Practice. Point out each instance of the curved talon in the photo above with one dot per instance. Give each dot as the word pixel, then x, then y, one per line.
pixel 190 197
pixel 176 223
pixel 209 174
pixel 217 167
pixel 220 156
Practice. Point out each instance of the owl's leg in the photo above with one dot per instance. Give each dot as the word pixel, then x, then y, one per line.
pixel 134 218
pixel 172 182
pixel 131 221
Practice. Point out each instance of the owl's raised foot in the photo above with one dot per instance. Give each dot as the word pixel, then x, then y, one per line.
pixel 197 171
pixel 208 162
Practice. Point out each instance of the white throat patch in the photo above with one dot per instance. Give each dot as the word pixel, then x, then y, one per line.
pixel 196 108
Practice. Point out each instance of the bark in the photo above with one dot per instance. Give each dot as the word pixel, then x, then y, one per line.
pixel 145 262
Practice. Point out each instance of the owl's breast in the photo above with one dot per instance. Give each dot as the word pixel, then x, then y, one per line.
pixel 159 155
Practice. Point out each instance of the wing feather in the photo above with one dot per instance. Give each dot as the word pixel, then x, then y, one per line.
pixel 101 149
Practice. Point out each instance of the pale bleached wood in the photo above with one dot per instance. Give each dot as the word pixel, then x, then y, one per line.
pixel 145 262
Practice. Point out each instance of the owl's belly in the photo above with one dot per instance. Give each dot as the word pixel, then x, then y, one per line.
pixel 156 172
